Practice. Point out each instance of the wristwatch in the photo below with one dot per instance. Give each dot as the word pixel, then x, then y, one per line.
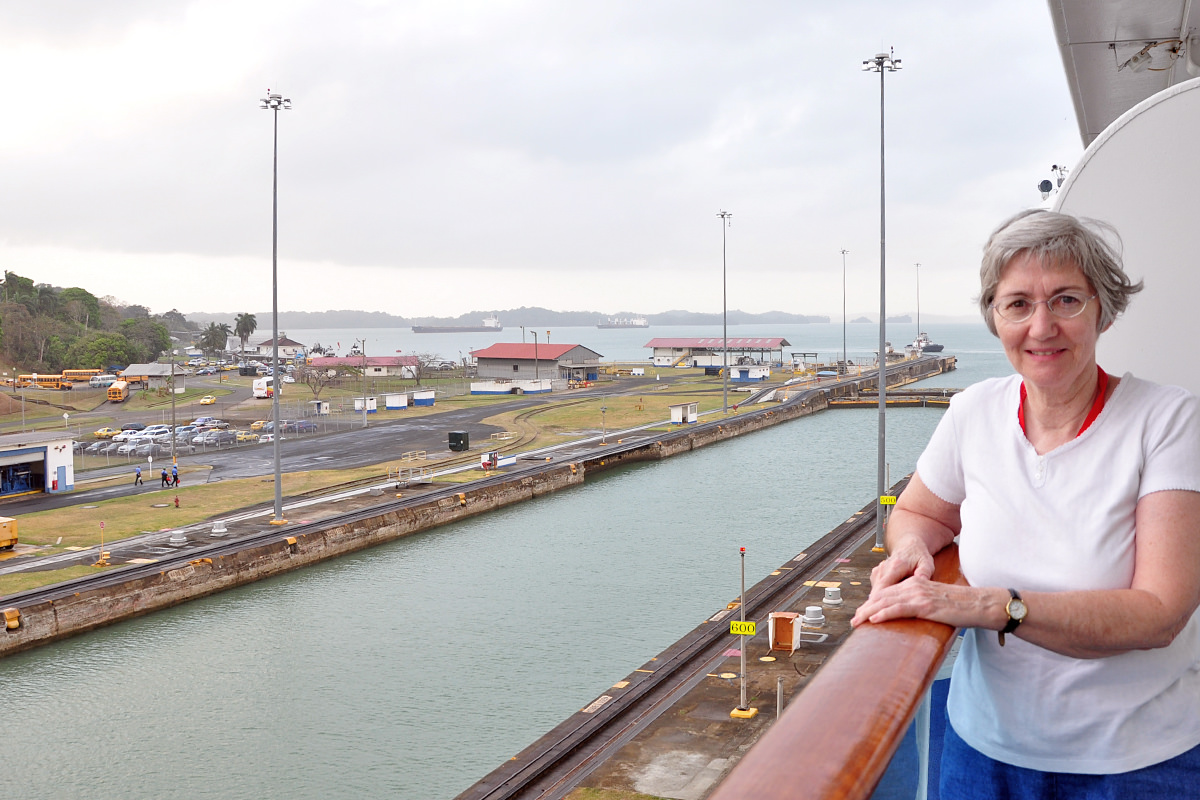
pixel 1016 611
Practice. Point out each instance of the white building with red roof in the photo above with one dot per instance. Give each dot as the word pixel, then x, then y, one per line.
pixel 708 351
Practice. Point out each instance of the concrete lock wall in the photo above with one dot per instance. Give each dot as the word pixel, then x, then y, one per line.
pixel 79 612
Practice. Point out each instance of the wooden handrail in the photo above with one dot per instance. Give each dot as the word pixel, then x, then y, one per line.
pixel 836 738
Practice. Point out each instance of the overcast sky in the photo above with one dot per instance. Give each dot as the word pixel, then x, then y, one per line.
pixel 448 156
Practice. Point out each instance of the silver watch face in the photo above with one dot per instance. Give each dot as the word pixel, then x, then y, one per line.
pixel 1016 609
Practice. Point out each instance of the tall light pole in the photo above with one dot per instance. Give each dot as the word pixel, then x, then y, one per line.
pixel 725 223
pixel 174 460
pixel 535 357
pixel 882 63
pixel 918 299
pixel 845 364
pixel 275 103
pixel 362 343
pixel 603 425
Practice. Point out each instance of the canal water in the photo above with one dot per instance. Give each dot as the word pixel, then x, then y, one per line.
pixel 413 669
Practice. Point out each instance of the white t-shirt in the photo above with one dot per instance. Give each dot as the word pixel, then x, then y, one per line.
pixel 1057 522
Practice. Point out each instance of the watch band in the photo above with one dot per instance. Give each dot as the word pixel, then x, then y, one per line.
pixel 1013 622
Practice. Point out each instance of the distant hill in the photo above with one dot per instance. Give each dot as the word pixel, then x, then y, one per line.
pixel 529 316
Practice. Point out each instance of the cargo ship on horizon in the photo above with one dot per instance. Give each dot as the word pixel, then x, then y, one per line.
pixel 490 324
pixel 623 322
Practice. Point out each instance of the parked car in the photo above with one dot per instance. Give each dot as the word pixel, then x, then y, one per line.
pixel 266 438
pixel 203 420
pixel 144 449
pixel 287 379
pixel 111 448
pixel 215 438
pixel 133 426
pixel 305 426
pixel 127 448
pixel 257 424
pixel 247 436
pixel 78 447
pixel 96 447
pixel 125 436
pixel 208 400
pixel 106 433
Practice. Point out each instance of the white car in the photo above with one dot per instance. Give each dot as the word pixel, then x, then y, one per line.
pixel 125 436
pixel 287 379
pixel 129 445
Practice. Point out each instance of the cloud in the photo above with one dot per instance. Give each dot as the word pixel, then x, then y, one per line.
pixel 550 154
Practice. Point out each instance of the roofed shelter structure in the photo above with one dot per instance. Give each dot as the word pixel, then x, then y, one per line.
pixel 374 366
pixel 706 351
pixel 152 376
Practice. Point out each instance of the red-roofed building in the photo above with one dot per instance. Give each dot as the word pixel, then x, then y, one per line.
pixel 520 361
pixel 706 351
pixel 376 366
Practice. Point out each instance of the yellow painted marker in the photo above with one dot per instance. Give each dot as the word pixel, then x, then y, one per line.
pixel 739 628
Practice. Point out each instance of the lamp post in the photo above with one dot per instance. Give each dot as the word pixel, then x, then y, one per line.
pixel 275 103
pixel 845 361
pixel 173 459
pixel 725 216
pixel 918 299
pixel 882 63
pixel 362 343
pixel 603 426
pixel 535 356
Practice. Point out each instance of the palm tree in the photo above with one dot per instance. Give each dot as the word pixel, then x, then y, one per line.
pixel 244 327
pixel 215 336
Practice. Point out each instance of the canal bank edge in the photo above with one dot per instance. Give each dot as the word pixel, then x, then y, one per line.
pixel 79 606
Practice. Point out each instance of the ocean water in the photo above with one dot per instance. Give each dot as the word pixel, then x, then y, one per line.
pixel 413 669
pixel 629 345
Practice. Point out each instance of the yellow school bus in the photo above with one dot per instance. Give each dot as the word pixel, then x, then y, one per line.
pixel 79 375
pixel 43 381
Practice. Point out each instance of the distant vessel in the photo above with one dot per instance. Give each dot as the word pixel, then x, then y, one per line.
pixel 923 344
pixel 623 322
pixel 490 324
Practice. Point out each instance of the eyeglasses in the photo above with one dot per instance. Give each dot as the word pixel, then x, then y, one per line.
pixel 1064 306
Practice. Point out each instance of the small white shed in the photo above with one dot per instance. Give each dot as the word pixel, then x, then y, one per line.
pixel 684 413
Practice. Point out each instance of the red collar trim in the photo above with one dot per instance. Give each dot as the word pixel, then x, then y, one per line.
pixel 1097 404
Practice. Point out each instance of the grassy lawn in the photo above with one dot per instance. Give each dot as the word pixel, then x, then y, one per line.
pixel 129 516
pixel 550 424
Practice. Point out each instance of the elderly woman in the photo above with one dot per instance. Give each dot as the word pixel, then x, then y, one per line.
pixel 1075 498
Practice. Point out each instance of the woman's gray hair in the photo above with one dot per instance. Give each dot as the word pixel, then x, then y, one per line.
pixel 1059 238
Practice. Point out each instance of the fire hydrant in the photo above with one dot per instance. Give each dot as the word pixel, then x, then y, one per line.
pixel 177 501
